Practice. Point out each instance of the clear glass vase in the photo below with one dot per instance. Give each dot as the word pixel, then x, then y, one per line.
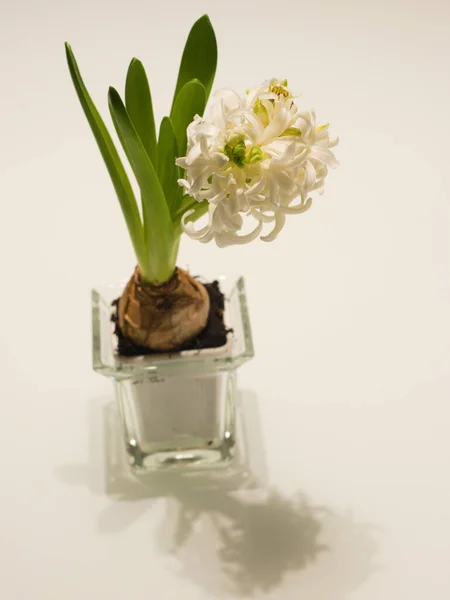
pixel 177 410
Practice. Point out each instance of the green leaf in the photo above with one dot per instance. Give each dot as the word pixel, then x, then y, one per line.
pixel 112 161
pixel 199 210
pixel 139 105
pixel 158 228
pixel 199 60
pixel 168 172
pixel 188 203
pixel 190 101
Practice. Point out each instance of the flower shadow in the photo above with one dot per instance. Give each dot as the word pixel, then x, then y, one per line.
pixel 256 541
pixel 228 532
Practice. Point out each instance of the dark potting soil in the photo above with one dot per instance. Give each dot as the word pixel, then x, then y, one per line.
pixel 213 336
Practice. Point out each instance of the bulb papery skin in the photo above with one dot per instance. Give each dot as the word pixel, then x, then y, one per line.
pixel 255 159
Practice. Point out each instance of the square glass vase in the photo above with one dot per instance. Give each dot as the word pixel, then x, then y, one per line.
pixel 177 410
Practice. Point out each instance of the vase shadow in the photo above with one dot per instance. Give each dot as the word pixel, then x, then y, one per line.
pixel 228 531
pixel 107 472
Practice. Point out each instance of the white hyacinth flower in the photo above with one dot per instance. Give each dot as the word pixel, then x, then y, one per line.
pixel 256 157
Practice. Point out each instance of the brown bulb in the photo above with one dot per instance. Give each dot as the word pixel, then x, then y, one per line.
pixel 163 316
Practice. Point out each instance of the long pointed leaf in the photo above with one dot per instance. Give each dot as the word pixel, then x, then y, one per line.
pixel 190 101
pixel 157 222
pixel 168 172
pixel 199 60
pixel 138 101
pixel 112 161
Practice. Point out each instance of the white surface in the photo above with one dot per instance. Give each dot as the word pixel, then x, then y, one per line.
pixel 350 309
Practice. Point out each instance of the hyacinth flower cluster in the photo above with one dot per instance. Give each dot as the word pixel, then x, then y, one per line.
pixel 256 157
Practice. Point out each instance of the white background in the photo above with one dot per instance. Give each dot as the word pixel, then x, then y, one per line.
pixel 350 311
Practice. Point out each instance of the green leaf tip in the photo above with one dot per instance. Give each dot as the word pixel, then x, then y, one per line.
pixel 190 101
pixel 113 93
pixel 135 62
pixel 138 101
pixel 199 59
